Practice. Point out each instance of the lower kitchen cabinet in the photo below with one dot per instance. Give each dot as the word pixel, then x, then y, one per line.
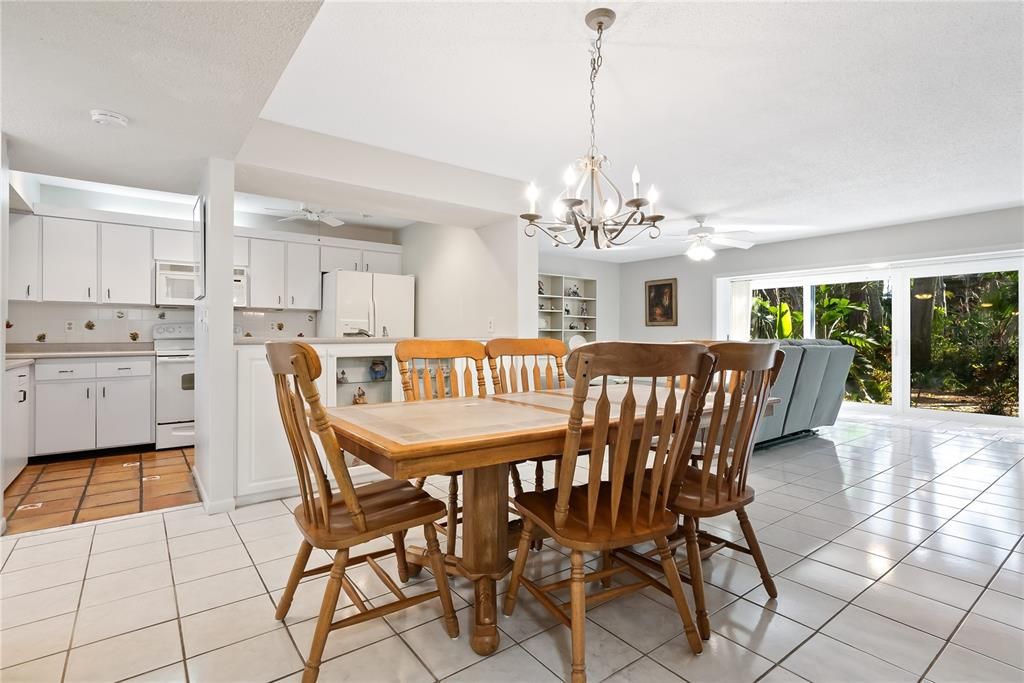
pixel 17 431
pixel 84 405
pixel 124 412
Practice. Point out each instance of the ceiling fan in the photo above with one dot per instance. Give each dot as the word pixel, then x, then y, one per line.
pixel 701 237
pixel 304 213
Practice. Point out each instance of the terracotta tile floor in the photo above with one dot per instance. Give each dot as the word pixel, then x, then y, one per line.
pixel 87 489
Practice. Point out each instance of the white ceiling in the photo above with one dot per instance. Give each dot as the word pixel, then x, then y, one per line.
pixel 820 116
pixel 258 204
pixel 191 76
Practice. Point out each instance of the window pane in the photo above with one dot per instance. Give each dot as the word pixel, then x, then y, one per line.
pixel 859 314
pixel 777 313
pixel 964 343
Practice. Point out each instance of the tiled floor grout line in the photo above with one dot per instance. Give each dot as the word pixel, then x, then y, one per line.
pixel 78 609
pixel 779 664
pixel 85 490
pixel 174 592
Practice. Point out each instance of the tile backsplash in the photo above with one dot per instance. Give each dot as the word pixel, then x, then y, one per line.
pixel 87 323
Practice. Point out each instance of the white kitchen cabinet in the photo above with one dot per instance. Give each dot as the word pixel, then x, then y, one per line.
pixel 174 245
pixel 382 262
pixel 265 468
pixel 65 417
pixel 17 431
pixel 124 412
pixel 69 260
pixel 266 274
pixel 302 276
pixel 241 248
pixel 126 267
pixel 340 258
pixel 23 262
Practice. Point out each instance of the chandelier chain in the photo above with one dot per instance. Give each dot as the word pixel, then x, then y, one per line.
pixel 596 60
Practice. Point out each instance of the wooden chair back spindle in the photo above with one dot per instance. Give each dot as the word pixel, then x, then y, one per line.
pixel 296 367
pixel 526 364
pixel 422 362
pixel 739 391
pixel 668 367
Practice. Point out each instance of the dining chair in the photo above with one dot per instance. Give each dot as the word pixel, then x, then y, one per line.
pixel 527 365
pixel 424 380
pixel 627 503
pixel 717 483
pixel 340 521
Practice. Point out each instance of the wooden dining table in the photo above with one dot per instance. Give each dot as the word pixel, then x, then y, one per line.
pixel 480 437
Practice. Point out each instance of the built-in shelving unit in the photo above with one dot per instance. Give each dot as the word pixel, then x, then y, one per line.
pixel 560 313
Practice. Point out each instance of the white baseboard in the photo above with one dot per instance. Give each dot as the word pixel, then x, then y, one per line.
pixel 213 507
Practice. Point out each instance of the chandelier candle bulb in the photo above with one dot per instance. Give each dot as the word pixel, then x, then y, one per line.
pixel 636 182
pixel 652 197
pixel 532 193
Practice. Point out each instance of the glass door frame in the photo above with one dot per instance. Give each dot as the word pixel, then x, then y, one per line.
pixel 899 276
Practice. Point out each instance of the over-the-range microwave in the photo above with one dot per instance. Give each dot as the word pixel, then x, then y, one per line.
pixel 176 284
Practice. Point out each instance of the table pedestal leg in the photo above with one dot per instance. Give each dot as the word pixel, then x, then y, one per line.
pixel 485 547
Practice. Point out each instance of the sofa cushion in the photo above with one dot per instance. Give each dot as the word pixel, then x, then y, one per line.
pixel 833 385
pixel 807 388
pixel 772 425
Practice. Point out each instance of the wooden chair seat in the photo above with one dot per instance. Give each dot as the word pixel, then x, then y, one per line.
pixel 388 506
pixel 539 507
pixel 691 503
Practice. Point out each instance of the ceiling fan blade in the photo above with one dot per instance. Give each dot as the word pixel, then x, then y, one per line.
pixel 728 242
pixel 331 221
pixel 291 218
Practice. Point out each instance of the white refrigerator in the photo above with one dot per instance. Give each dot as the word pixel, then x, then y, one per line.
pixel 380 304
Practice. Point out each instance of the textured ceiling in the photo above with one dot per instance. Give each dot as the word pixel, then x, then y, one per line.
pixel 819 116
pixel 191 76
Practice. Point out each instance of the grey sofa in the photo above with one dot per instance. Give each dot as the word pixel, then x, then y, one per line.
pixel 811 385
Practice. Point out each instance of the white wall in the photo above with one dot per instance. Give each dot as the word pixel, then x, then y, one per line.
pixel 215 354
pixel 958 235
pixel 5 200
pixel 608 276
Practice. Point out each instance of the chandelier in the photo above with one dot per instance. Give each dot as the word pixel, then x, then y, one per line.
pixel 591 205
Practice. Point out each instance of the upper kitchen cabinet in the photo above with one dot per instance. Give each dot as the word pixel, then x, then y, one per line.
pixel 382 262
pixel 23 264
pixel 241 247
pixel 126 267
pixel 70 260
pixel 174 245
pixel 340 258
pixel 266 274
pixel 303 276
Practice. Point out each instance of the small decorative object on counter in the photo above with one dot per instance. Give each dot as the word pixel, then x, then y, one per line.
pixel 247 334
pixel 573 325
pixel 133 335
pixel 8 324
pixel 89 325
pixel 119 315
pixel 359 398
pixel 342 377
pixel 573 291
pixel 301 334
pixel 378 369
pixel 41 337
pixel 162 315
pixel 278 326
pixel 540 287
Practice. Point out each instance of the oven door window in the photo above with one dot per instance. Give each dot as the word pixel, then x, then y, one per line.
pixel 188 381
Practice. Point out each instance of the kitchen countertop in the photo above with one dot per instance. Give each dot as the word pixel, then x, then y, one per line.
pixel 249 341
pixel 19 363
pixel 42 351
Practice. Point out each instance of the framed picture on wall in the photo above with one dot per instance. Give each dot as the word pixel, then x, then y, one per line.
pixel 661 302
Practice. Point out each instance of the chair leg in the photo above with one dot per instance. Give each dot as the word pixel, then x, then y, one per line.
pixel 606 563
pixel 301 558
pixel 538 486
pixel 453 515
pixel 578 599
pixel 323 624
pixel 517 482
pixel 451 622
pixel 696 577
pixel 675 584
pixel 420 482
pixel 517 567
pixel 403 563
pixel 755 552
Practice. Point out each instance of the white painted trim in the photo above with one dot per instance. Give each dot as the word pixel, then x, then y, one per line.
pixel 324 241
pixel 212 507
pixel 115 217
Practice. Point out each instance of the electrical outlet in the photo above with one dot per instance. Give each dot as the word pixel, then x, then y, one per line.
pixel 69 326
pixel 490 324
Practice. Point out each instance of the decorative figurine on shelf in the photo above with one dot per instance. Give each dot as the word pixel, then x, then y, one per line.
pixel 573 291
pixel 378 370
pixel 583 308
pixel 540 287
pixel 586 327
pixel 359 398
pixel 567 312
pixel 541 305
pixel 342 377
pixel 573 325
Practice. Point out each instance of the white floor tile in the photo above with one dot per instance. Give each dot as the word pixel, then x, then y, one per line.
pixel 953 545
pixel 443 655
pixel 219 589
pixel 911 609
pixel 180 546
pixel 389 659
pixel 605 653
pixel 126 558
pixel 125 538
pixel 127 614
pixel 896 530
pixel 515 665
pixel 123 584
pixel 853 560
pixel 992 638
pixel 45 670
pixel 960 665
pixel 41 604
pixel 638 621
pixel 1009 582
pixel 896 643
pixel 825 659
pixel 1001 607
pixel 175 673
pixel 831 580
pixel 218 561
pixel 44 576
pixel 876 544
pixel 347 639
pixel 767 633
pixel 722 660
pixel 957 566
pixel 228 624
pixel 798 602
pixel 788 539
pixel 939 587
pixel 191 524
pixel 37 555
pixel 260 659
pixel 126 655
pixel 251 513
pixel 36 639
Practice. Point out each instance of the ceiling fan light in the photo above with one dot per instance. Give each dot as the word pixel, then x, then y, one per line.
pixel 699 251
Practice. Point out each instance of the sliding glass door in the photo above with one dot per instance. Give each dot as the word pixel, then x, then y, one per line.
pixel 927 338
pixel 964 342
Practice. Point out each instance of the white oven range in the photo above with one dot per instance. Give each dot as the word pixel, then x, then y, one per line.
pixel 174 344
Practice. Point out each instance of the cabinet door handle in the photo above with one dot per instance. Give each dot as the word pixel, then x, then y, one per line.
pixel 355 265
pixel 108 292
pixel 87 393
pixel 103 391
pixel 28 290
pixel 64 372
pixel 24 395
pixel 88 292
pixel 366 266
pixel 278 298
pixel 119 369
pixel 293 299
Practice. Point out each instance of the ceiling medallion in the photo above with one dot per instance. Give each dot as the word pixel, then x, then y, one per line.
pixel 591 205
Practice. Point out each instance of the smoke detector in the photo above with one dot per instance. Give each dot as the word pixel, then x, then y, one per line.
pixel 108 118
